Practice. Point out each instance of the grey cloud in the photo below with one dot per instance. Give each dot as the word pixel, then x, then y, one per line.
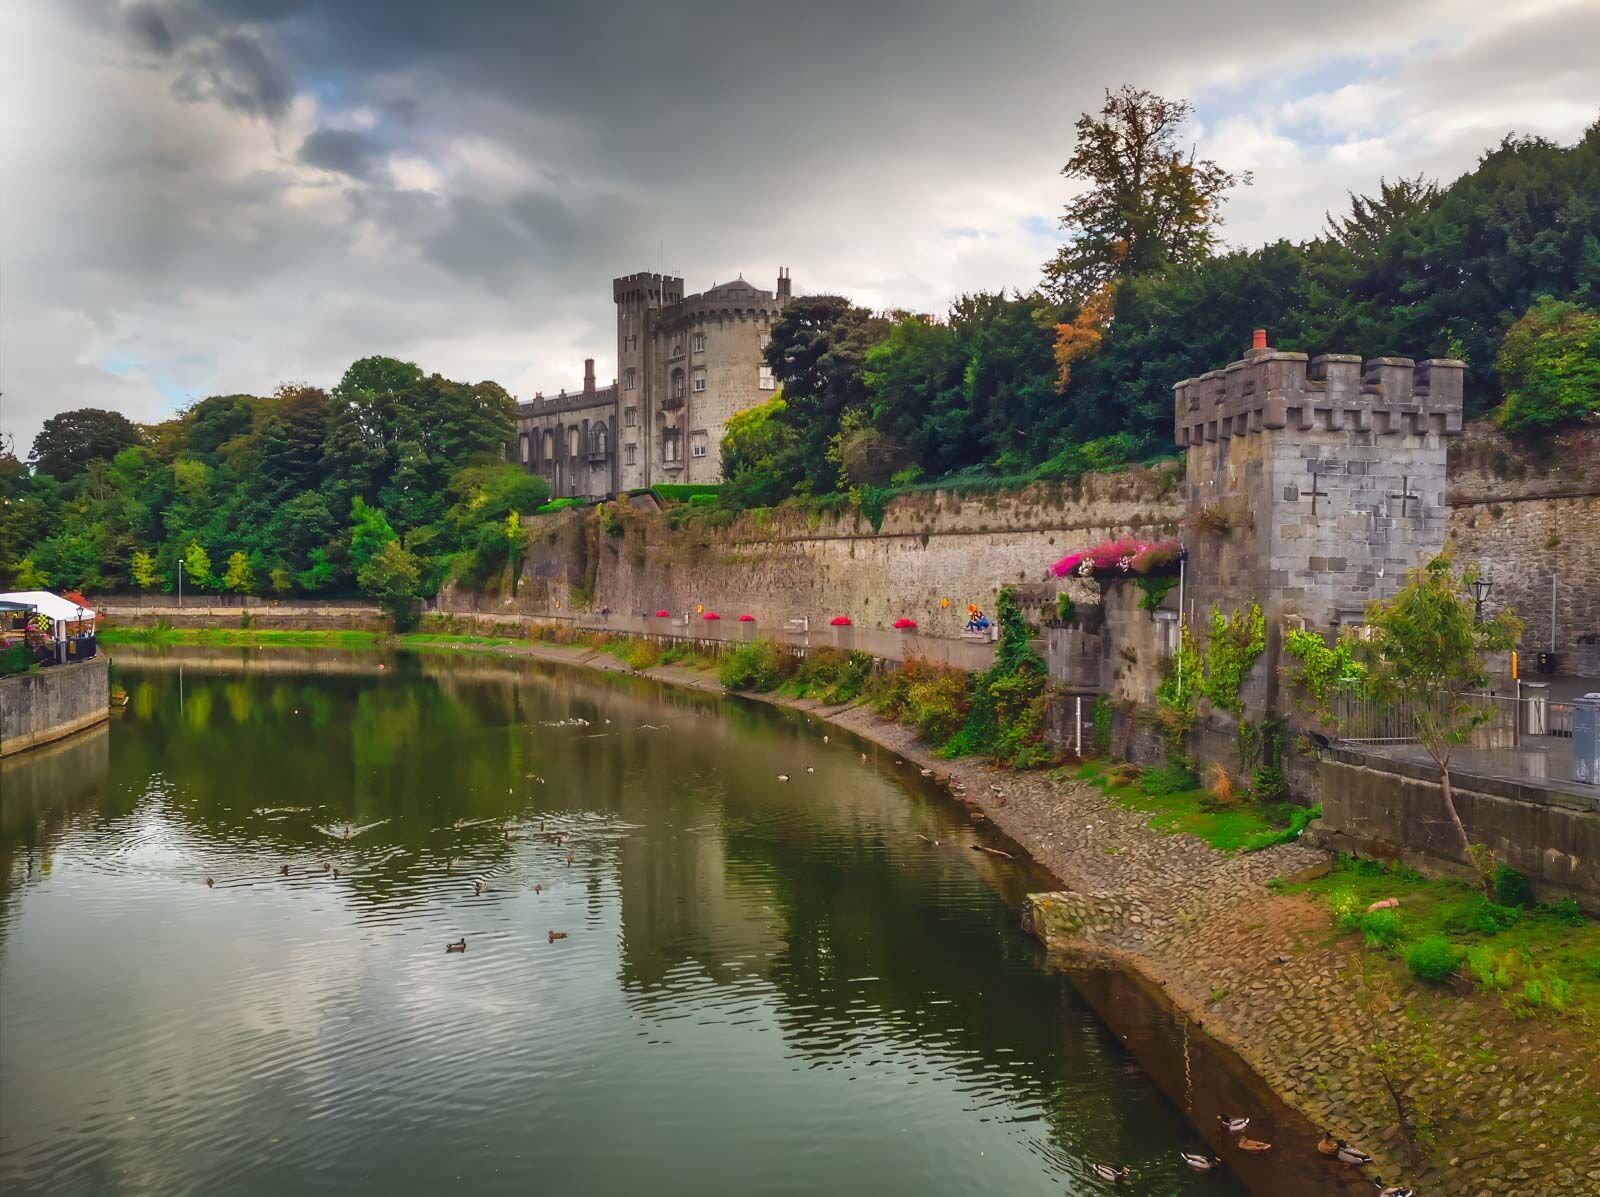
pixel 236 71
pixel 149 27
pixel 344 150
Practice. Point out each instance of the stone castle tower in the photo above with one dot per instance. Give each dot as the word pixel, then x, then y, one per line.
pixel 685 364
pixel 1313 484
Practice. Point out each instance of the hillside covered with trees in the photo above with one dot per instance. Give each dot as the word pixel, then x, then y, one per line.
pixel 396 481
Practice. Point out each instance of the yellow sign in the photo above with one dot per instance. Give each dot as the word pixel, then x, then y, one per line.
pixel 698 609
pixel 944 603
pixel 1514 662
pixel 42 622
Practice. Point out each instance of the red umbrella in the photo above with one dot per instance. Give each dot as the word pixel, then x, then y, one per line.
pixel 662 615
pixel 904 623
pixel 711 615
pixel 747 619
pixel 840 621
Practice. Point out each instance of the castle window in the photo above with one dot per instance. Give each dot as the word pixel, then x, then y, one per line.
pixel 630 379
pixel 597 441
pixel 630 454
pixel 549 445
pixel 697 444
pixel 677 384
pixel 527 448
pixel 630 417
pixel 699 342
pixel 699 381
pixel 572 442
pixel 764 378
pixel 677 350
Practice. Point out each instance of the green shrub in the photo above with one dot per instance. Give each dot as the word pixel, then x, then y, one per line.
pixel 1380 928
pixel 756 665
pixel 1345 909
pixel 555 505
pixel 16 659
pixel 1066 609
pixel 1511 887
pixel 831 675
pixel 1565 910
pixel 1549 366
pixel 1478 914
pixel 1174 777
pixel 1267 784
pixel 1493 971
pixel 1100 737
pixel 937 708
pixel 1299 818
pixel 643 655
pixel 1434 958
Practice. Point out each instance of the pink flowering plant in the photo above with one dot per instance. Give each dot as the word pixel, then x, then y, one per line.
pixel 1121 558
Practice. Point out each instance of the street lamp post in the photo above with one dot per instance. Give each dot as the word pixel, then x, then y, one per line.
pixel 1481 586
pixel 180 583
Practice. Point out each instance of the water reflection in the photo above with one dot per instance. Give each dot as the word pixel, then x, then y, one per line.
pixel 772 986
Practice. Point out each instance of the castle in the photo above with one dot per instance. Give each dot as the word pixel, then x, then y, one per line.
pixel 685 364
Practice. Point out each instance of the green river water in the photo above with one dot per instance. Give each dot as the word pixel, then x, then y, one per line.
pixel 765 986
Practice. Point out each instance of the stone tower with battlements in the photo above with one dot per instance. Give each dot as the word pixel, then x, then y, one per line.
pixel 1313 484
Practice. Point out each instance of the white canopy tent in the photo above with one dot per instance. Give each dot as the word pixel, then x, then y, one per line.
pixel 59 611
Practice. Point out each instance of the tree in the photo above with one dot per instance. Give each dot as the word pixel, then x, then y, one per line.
pixel 369 533
pixel 816 351
pixel 1426 656
pixel 391 578
pixel 1148 204
pixel 30 576
pixel 143 570
pixel 761 457
pixel 197 566
pixel 1549 365
pixel 1372 219
pixel 239 577
pixel 73 439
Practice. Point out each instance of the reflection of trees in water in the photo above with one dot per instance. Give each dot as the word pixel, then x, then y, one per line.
pixel 42 792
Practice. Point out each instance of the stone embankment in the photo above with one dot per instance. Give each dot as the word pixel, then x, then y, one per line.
pixel 1496 1107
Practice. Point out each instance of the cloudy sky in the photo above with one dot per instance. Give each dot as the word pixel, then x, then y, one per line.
pixel 206 196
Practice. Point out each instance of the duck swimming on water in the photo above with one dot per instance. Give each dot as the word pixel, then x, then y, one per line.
pixel 1353 1156
pixel 1393 1190
pixel 1328 1145
pixel 1199 1162
pixel 460 945
pixel 1108 1173
pixel 555 935
pixel 1254 1146
pixel 1232 1125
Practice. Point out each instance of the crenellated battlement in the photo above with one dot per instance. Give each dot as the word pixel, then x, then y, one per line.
pixel 1272 389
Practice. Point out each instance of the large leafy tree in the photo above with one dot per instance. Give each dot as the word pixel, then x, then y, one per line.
pixel 1149 201
pixel 816 351
pixel 1549 365
pixel 70 441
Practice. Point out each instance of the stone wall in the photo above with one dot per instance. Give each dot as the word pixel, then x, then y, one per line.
pixel 1396 812
pixel 36 708
pixel 305 616
pixel 788 564
pixel 1526 515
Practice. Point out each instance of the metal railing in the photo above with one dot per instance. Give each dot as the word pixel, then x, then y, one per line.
pixel 1509 719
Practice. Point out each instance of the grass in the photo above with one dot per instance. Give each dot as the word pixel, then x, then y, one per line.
pixel 242 637
pixel 1176 802
pixel 1538 960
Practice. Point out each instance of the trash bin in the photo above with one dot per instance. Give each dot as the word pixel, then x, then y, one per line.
pixel 1545 662
pixel 1586 739
pixel 1536 708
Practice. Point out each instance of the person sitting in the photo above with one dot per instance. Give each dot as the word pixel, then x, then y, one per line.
pixel 977 621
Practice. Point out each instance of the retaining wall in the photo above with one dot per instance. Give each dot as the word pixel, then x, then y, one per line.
pixel 1394 811
pixel 36 708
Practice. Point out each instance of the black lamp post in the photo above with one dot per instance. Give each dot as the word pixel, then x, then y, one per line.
pixel 1481 586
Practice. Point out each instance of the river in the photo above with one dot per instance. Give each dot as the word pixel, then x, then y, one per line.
pixel 223 965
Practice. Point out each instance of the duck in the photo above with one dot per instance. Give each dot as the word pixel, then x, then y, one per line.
pixel 1199 1162
pixel 783 777
pixel 326 866
pixel 460 945
pixel 1393 1190
pixel 1232 1125
pixel 555 935
pixel 824 737
pixel 537 888
pixel 1108 1173
pixel 210 881
pixel 336 874
pixel 1353 1156
pixel 477 887
pixel 283 870
pixel 809 769
pixel 1254 1146
pixel 1328 1145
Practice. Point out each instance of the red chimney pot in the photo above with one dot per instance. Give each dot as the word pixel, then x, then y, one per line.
pixel 1259 341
